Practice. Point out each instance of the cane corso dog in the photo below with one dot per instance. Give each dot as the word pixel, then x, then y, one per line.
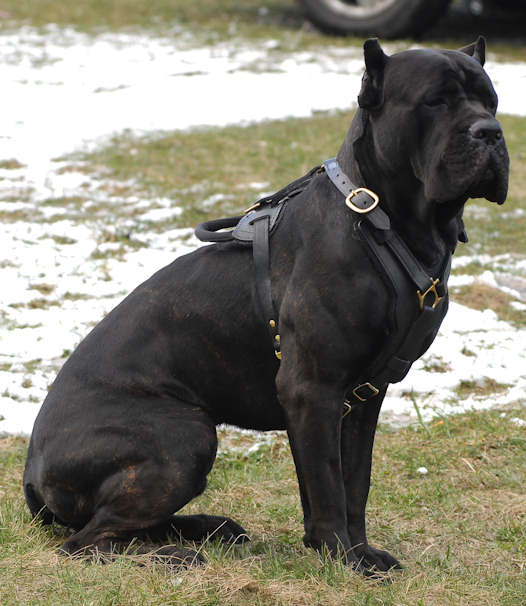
pixel 127 434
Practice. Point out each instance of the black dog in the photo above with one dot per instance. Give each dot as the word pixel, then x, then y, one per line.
pixel 127 434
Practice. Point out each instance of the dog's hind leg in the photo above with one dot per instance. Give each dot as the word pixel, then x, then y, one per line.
pixel 105 536
pixel 200 527
pixel 151 481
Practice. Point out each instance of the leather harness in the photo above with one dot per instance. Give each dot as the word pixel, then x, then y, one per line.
pixel 414 320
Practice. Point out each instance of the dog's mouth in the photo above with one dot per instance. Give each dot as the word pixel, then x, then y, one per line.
pixel 493 186
pixel 477 170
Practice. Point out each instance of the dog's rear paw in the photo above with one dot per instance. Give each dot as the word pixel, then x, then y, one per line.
pixel 231 532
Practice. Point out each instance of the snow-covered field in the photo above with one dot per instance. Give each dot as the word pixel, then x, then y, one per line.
pixel 63 91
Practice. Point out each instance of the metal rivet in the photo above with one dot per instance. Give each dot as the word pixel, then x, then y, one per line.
pixel 278 338
pixel 272 324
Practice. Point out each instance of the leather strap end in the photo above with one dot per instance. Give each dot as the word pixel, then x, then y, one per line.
pixel 380 220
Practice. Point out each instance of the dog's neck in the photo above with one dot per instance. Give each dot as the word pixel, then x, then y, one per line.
pixel 429 229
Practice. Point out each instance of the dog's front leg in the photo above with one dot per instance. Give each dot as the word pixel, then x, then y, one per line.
pixel 313 425
pixel 358 431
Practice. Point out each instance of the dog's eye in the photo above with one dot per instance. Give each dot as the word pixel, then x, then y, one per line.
pixel 436 102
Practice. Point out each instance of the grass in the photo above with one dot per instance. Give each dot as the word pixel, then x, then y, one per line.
pixel 459 530
pixel 481 296
pixel 10 164
pixel 189 167
pixel 209 21
pixel 184 166
pixel 192 165
pixel 484 387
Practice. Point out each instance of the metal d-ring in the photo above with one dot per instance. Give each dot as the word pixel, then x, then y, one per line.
pixel 431 290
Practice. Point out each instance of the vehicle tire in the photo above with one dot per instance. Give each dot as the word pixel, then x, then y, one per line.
pixel 519 6
pixel 384 18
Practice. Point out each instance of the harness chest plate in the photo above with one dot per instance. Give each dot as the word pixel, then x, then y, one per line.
pixel 419 302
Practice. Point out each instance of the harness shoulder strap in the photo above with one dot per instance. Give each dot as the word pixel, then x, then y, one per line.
pixel 410 337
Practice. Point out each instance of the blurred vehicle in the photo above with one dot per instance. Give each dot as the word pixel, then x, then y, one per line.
pixel 388 18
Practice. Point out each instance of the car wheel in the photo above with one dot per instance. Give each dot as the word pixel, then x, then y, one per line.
pixel 385 18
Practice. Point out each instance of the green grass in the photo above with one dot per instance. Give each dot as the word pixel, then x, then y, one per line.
pixel 190 167
pixel 459 530
pixel 209 21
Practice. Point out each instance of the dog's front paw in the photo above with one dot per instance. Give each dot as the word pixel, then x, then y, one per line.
pixel 375 560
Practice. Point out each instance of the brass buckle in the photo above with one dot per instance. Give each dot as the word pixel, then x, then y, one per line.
pixel 251 208
pixel 362 211
pixel 374 391
pixel 432 289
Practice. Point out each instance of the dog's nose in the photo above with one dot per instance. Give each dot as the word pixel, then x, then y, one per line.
pixel 488 129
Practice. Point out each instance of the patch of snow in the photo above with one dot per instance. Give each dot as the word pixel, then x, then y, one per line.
pixel 64 91
pixel 213 200
pixel 258 186
pixel 161 214
pixel 15 418
pixel 509 80
pixel 460 280
pixel 473 345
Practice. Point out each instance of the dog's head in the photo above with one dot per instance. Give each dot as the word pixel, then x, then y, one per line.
pixel 432 113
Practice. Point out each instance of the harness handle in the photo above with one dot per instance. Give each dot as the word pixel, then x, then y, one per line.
pixel 209 231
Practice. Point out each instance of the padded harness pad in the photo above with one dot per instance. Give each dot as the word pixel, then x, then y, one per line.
pixel 244 230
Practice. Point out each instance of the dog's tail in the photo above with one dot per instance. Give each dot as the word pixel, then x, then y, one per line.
pixel 37 507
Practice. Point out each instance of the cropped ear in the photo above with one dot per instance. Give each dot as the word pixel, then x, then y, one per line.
pixel 372 93
pixel 477 50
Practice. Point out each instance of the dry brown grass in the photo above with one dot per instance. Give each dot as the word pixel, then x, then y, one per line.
pixel 459 530
pixel 482 296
